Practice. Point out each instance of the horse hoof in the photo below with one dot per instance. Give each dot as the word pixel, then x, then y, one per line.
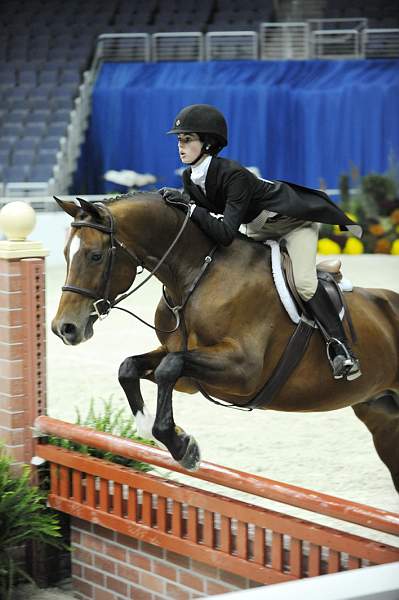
pixel 192 456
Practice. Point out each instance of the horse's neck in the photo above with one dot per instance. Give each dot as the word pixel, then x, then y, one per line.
pixel 150 228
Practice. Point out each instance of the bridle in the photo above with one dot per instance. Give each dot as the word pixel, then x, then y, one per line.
pixel 102 303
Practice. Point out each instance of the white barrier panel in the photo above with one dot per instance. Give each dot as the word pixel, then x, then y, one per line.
pixel 370 583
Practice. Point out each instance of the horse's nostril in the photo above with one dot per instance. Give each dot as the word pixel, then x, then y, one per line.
pixel 68 329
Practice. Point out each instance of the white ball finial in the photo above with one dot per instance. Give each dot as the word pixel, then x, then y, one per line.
pixel 17 220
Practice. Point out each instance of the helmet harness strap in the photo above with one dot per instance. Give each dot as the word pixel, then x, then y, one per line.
pixel 204 149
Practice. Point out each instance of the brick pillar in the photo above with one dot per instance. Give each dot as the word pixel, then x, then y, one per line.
pixel 22 331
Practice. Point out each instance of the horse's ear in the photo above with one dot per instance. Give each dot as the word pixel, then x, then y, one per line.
pixel 69 207
pixel 90 208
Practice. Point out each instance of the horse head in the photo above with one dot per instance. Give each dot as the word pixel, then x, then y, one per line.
pixel 96 271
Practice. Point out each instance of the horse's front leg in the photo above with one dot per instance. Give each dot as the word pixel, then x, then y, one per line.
pixel 182 447
pixel 131 370
pixel 220 366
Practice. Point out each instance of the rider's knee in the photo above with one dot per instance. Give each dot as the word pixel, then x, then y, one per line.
pixel 170 368
pixel 306 287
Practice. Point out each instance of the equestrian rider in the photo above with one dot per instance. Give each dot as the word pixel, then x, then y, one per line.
pixel 269 209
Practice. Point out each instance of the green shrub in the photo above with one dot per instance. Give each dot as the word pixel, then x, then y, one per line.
pixel 109 420
pixel 23 517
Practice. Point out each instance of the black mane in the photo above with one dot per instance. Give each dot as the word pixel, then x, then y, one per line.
pixel 129 196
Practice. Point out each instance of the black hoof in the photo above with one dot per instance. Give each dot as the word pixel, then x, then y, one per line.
pixel 192 456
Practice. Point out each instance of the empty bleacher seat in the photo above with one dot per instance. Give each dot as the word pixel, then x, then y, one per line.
pixel 57 129
pixel 15 173
pixel 40 115
pixel 8 78
pixel 41 173
pixel 17 115
pixel 5 155
pixel 47 77
pixel 8 141
pixel 26 143
pixel 35 129
pixel 11 129
pixel 27 77
pixel 50 143
pixel 46 156
pixel 62 102
pixel 22 157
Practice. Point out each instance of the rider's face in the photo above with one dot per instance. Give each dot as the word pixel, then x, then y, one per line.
pixel 189 146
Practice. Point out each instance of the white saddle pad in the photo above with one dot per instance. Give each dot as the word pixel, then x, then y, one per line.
pixel 281 286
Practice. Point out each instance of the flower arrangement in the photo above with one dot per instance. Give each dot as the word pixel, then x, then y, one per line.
pixel 375 206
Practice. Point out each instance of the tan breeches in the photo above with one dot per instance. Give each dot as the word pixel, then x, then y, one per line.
pixel 302 248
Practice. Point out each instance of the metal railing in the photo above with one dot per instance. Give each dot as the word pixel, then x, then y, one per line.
pixel 177 46
pixel 381 43
pixel 316 38
pixel 336 38
pixel 284 41
pixel 336 43
pixel 252 541
pixel 231 45
pixel 123 47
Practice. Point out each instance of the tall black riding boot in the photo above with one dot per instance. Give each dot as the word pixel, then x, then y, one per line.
pixel 344 363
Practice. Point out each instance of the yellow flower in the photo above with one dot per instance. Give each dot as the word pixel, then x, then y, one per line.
pixel 395 248
pixel 327 246
pixel 353 246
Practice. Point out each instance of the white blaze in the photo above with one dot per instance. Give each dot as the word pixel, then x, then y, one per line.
pixel 73 248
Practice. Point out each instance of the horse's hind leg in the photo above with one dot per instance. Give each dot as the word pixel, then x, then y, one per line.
pixel 381 417
pixel 131 370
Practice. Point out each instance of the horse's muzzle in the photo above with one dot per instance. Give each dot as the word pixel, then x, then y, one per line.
pixel 71 334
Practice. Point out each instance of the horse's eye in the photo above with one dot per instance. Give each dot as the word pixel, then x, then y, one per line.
pixel 96 256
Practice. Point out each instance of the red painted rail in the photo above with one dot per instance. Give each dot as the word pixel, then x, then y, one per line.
pixel 324 504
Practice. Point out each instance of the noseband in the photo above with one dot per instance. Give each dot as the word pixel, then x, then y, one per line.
pixel 102 303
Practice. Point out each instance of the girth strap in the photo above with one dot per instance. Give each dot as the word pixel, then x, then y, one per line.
pixel 291 357
pixel 289 360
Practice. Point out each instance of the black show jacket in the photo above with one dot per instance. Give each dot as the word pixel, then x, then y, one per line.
pixel 238 195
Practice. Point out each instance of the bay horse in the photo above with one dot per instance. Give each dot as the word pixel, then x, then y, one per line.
pixel 235 326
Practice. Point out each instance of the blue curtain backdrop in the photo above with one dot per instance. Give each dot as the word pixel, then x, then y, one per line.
pixel 301 121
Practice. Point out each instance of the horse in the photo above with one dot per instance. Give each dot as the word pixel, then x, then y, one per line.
pixel 233 328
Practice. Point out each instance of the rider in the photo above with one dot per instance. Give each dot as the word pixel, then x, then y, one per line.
pixel 215 186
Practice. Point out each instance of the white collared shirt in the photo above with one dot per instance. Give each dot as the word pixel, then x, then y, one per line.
pixel 199 172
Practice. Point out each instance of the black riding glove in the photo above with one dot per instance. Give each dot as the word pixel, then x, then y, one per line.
pixel 174 197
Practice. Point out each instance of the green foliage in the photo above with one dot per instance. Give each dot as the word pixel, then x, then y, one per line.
pixel 380 191
pixel 23 516
pixel 374 205
pixel 109 420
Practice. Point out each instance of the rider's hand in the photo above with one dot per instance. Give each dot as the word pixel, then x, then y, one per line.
pixel 174 197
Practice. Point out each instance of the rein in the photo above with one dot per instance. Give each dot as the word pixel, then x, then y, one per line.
pixel 102 304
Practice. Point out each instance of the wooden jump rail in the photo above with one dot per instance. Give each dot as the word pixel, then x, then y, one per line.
pixel 258 543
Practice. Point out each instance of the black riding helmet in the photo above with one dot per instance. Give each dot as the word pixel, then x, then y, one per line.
pixel 207 122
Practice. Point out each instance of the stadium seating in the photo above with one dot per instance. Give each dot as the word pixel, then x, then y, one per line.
pixel 46 45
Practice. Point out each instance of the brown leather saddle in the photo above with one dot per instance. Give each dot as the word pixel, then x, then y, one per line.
pixel 329 275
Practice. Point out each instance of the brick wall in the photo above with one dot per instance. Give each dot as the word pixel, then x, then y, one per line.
pixel 110 566
pixel 22 353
